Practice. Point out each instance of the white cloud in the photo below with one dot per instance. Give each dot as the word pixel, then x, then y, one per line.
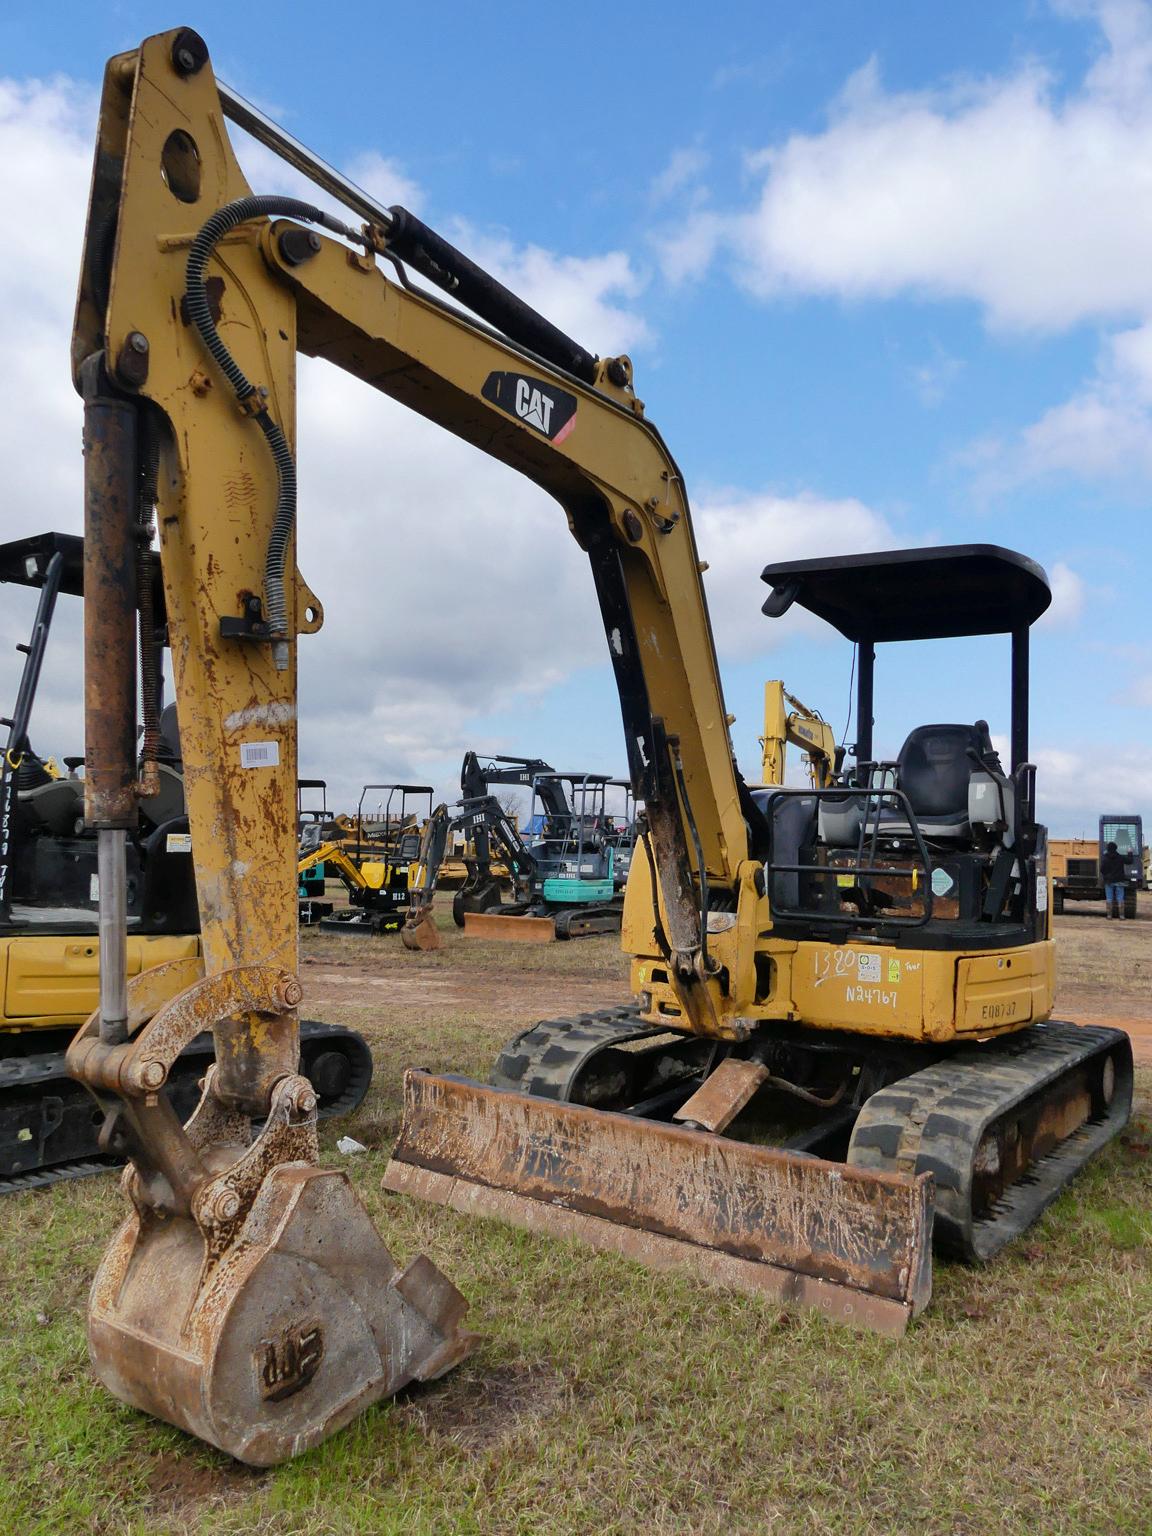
pixel 1075 785
pixel 683 171
pixel 378 175
pixel 932 378
pixel 1024 194
pixel 45 164
pixel 1031 202
pixel 740 532
pixel 452 586
pixel 1067 597
pixel 586 296
pixel 382 178
pixel 1102 432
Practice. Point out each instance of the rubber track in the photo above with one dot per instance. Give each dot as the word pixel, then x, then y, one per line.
pixel 588 921
pixel 47 1067
pixel 934 1121
pixel 546 1059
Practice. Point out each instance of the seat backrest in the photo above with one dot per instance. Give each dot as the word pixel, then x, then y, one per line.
pixel 57 805
pixel 934 768
pixel 170 738
pixel 793 817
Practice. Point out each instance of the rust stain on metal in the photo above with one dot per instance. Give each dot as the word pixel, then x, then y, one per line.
pixel 520 930
pixel 813 1219
pixel 723 1095
pixel 110 514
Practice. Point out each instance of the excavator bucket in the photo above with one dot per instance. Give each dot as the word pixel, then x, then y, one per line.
pixel 520 930
pixel 304 1322
pixel 855 1246
pixel 247 1297
pixel 419 930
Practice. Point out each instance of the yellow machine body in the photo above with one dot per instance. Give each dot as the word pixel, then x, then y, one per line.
pixel 50 982
pixel 894 993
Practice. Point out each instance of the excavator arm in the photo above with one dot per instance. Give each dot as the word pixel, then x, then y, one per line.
pixel 208 291
pixel 787 721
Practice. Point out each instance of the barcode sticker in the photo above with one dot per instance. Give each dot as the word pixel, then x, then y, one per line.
pixel 259 754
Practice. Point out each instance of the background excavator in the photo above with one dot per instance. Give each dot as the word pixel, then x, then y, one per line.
pixel 566 867
pixel 49 946
pixel 787 721
pixel 372 864
pixel 247 1297
pixel 484 817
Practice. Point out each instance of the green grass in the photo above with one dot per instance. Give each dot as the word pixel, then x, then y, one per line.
pixel 604 1398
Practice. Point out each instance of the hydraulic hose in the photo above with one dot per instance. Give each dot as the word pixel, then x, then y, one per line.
pixel 149 658
pixel 222 222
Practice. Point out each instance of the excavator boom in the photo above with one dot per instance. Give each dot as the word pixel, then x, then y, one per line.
pixel 247 1297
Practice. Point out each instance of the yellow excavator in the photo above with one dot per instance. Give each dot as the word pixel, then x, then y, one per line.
pixel 247 1297
pixel 375 872
pixel 788 722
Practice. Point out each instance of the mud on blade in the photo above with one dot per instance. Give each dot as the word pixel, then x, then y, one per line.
pixel 854 1245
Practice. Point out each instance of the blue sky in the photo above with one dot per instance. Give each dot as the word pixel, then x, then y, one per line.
pixel 885 273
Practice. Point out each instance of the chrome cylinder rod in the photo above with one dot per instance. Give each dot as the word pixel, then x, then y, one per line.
pixel 300 157
pixel 112 875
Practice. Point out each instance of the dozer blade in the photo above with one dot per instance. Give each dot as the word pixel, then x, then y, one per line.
pixel 522 930
pixel 817 1234
pixel 419 930
pixel 300 1325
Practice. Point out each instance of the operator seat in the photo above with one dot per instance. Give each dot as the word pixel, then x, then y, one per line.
pixel 934 770
pixel 954 784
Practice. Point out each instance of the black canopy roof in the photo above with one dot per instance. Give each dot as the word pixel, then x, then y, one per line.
pixel 914 594
pixel 24 562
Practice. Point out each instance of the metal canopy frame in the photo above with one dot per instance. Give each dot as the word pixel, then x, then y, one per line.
pixel 951 591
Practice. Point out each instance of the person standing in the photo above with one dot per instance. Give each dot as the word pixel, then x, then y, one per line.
pixel 1112 876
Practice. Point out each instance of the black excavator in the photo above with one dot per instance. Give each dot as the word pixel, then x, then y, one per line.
pixel 49 896
pixel 563 868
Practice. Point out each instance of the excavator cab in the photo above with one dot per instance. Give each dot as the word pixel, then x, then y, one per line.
pixel 939 845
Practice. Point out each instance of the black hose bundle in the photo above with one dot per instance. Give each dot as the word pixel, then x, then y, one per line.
pixel 222 222
pixel 149 658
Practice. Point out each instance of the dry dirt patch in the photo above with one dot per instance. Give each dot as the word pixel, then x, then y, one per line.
pixel 180 1487
pixel 1104 970
pixel 478 1411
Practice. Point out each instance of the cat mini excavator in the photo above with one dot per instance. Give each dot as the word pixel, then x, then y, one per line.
pixel 247 1297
